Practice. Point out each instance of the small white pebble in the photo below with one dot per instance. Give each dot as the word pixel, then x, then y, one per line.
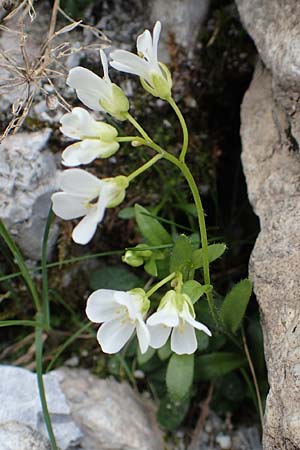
pixel 224 441
pixel 139 374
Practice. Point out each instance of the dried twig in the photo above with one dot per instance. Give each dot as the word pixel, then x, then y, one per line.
pixel 194 444
pixel 252 370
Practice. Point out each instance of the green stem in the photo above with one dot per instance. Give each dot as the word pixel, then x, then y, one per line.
pixel 201 217
pixel 18 258
pixel 66 344
pixel 185 142
pixel 138 127
pixel 127 138
pixel 39 372
pixel 45 291
pixel 144 167
pixel 160 284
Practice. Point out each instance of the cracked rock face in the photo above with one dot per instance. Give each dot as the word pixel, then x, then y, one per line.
pixel 27 180
pixel 271 137
pixel 272 171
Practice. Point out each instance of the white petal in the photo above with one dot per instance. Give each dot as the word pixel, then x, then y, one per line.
pixel 144 45
pixel 183 339
pixel 159 335
pixel 143 335
pixel 156 33
pixel 80 182
pixel 104 64
pixel 132 302
pixel 90 88
pixel 101 306
pixel 75 123
pixel 185 314
pixel 68 206
pixel 168 316
pixel 86 151
pixel 113 335
pixel 85 230
pixel 129 63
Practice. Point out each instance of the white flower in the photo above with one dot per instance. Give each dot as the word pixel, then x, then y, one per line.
pixel 122 314
pixel 99 94
pixel 84 195
pixel 155 76
pixel 98 138
pixel 175 312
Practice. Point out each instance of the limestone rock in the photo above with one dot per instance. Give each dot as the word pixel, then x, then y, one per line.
pixel 181 22
pixel 17 436
pixel 27 180
pixel 272 172
pixel 275 28
pixel 87 413
pixel 110 414
pixel 20 402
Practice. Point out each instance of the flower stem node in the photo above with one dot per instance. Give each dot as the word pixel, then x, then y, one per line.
pixel 97 139
pixel 121 314
pixel 84 195
pixel 99 94
pixel 176 316
pixel 155 76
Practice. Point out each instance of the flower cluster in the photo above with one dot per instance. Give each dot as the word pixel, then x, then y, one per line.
pixel 85 196
pixel 123 313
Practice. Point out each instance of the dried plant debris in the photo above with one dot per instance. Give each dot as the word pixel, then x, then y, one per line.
pixel 32 65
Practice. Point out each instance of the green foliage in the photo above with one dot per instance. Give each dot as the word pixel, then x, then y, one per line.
pixel 144 358
pixel 170 414
pixel 165 351
pixel 234 305
pixel 194 289
pixel 179 378
pixel 114 277
pixel 181 256
pixel 150 228
pixel 214 365
pixel 214 252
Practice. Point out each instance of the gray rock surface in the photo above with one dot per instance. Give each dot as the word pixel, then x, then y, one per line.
pixel 181 21
pixel 275 28
pixel 17 436
pixel 27 180
pixel 20 402
pixel 272 169
pixel 87 413
pixel 110 414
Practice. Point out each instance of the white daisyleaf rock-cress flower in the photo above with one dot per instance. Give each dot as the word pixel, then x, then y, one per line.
pixel 99 94
pixel 85 195
pixel 155 76
pixel 122 314
pixel 98 139
pixel 175 314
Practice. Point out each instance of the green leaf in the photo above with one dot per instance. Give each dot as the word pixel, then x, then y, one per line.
pixel 165 351
pixel 150 227
pixel 179 377
pixel 234 305
pixel 114 277
pixel 126 213
pixel 150 267
pixel 181 256
pixel 194 289
pixel 202 340
pixel 214 365
pixel 170 414
pixel 145 357
pixel 214 252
